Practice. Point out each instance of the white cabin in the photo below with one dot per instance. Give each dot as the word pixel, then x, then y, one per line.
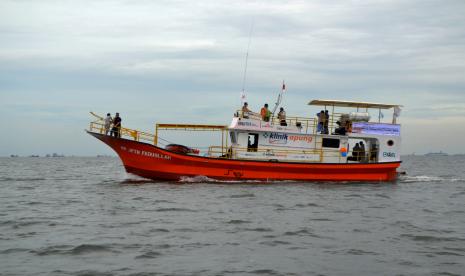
pixel 300 141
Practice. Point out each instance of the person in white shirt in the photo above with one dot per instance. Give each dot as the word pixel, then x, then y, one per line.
pixel 108 121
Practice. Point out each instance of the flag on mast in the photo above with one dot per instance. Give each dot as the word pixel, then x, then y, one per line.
pixel 284 87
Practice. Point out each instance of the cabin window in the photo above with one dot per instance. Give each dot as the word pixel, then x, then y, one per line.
pixel 252 143
pixel 233 137
pixel 331 143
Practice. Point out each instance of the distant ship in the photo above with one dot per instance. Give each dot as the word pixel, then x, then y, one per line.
pixel 437 154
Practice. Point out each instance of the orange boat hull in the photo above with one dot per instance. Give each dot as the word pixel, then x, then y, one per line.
pixel 153 162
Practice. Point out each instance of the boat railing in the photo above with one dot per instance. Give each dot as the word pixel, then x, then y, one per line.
pixel 308 125
pixel 320 152
pixel 238 153
pixel 98 126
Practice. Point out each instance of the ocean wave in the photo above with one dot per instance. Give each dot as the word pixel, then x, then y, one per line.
pixel 426 178
pixel 149 255
pixel 275 243
pixel 265 271
pixel 259 229
pixel 21 179
pixel 426 238
pixel 174 210
pixel 71 250
pixel 238 221
pixel 242 195
pixel 205 179
pixel 303 232
pixel 13 250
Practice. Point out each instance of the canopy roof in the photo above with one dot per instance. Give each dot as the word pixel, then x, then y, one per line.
pixel 353 104
pixel 192 127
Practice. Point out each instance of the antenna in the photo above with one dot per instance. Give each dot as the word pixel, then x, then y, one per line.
pixel 280 98
pixel 246 60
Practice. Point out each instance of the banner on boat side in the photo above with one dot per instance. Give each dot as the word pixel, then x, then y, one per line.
pixel 285 139
pixel 267 155
pixel 376 129
pixel 246 124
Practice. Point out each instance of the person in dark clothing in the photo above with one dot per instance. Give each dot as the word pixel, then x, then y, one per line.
pixel 340 130
pixel 116 130
pixel 355 153
pixel 362 153
pixel 321 119
pixel 326 122
pixel 282 117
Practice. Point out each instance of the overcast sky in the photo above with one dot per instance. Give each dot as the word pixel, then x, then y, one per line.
pixel 183 61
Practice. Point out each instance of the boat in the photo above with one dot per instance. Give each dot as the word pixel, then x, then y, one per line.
pixel 297 148
pixel 440 153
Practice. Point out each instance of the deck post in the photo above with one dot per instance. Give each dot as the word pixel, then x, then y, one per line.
pixel 155 140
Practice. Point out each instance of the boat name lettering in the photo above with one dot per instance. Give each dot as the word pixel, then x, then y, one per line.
pixel 389 154
pixel 147 153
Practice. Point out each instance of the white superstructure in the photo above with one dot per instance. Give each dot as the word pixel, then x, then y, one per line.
pixel 299 141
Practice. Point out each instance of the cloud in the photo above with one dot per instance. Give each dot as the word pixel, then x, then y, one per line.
pixel 184 60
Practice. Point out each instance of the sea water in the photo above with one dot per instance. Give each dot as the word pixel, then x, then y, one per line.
pixel 86 216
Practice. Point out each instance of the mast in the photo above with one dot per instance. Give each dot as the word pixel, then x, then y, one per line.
pixel 245 67
pixel 280 97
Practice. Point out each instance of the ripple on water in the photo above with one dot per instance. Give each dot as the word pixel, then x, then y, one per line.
pixel 92 273
pixel 242 195
pixel 303 232
pixel 174 210
pixel 13 250
pixel 149 255
pixel 71 250
pixel 258 229
pixel 238 221
pixel 159 230
pixel 300 205
pixel 264 272
pixel 275 243
pixel 426 238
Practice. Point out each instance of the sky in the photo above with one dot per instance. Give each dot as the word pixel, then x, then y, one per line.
pixel 183 61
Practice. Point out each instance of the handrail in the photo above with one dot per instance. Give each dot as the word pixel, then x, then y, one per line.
pixel 137 135
pixel 226 151
pixel 232 153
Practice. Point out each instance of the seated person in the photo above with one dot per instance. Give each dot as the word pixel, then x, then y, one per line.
pixel 340 130
pixel 282 117
pixel 355 153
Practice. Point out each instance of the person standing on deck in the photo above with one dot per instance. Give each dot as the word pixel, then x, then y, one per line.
pixel 265 113
pixel 326 123
pixel 282 117
pixel 107 125
pixel 320 121
pixel 116 130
